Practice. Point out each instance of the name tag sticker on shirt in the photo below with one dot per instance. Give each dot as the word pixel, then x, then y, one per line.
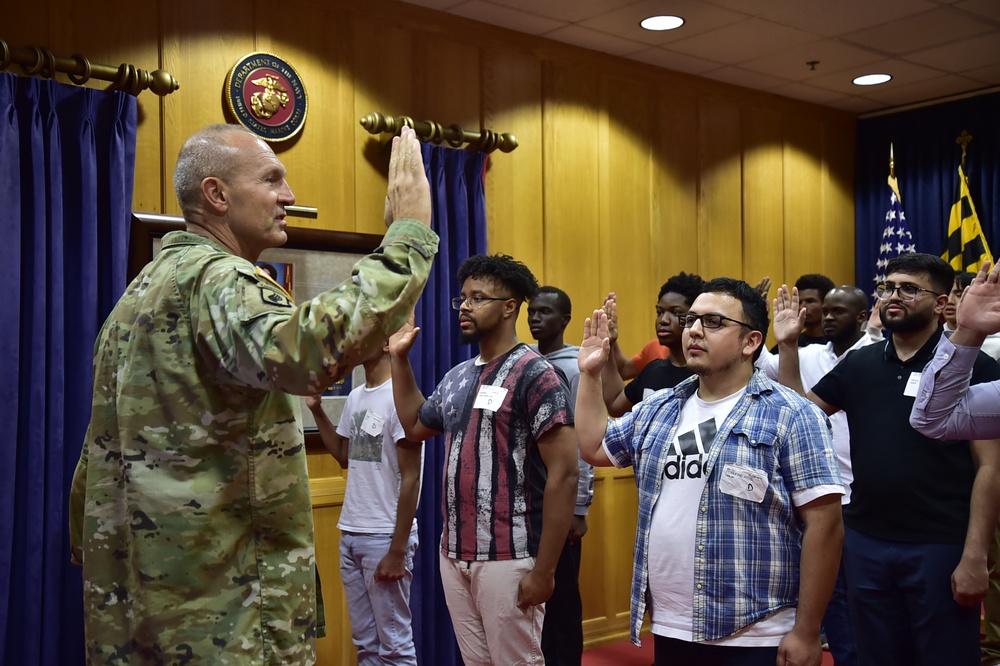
pixel 911 385
pixel 372 423
pixel 743 482
pixel 490 398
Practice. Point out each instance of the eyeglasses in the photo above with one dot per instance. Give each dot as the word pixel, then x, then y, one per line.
pixel 708 320
pixel 473 301
pixel 907 292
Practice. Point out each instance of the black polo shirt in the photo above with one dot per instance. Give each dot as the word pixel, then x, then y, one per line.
pixel 658 374
pixel 907 487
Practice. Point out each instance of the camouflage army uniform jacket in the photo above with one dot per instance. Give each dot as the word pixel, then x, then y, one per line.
pixel 190 508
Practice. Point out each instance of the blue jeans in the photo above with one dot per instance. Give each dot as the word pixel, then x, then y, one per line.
pixel 902 606
pixel 381 624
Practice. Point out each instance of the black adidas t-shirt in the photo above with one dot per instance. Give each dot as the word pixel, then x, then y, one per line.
pixel 658 374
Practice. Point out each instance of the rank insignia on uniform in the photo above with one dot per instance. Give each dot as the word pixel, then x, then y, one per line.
pixel 266 95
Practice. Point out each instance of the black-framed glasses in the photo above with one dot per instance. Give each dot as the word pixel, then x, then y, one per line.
pixel 708 320
pixel 473 301
pixel 907 292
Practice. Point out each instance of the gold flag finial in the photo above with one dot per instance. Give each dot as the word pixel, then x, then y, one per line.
pixel 963 140
pixel 892 163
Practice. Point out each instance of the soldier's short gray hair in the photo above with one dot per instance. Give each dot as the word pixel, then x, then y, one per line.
pixel 206 153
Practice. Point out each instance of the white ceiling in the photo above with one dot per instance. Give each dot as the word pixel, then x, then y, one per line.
pixel 932 48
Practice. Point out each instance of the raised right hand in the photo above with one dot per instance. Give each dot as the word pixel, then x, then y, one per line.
pixel 402 340
pixel 409 193
pixel 788 317
pixel 596 346
pixel 611 309
pixel 979 309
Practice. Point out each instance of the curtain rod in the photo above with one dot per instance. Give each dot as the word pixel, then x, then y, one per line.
pixel 484 140
pixel 35 61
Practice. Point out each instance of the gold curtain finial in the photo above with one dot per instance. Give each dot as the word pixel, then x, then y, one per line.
pixel 36 61
pixel 484 140
pixel 964 139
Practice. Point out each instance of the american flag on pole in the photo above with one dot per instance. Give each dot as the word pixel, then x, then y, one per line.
pixel 896 236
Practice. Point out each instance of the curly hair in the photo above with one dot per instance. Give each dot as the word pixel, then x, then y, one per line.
pixel 687 285
pixel 502 270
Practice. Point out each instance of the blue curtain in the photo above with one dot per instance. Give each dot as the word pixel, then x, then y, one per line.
pixel 67 157
pixel 927 160
pixel 459 218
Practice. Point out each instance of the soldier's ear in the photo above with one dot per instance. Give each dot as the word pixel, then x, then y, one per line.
pixel 213 189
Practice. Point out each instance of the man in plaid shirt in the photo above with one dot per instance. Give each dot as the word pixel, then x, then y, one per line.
pixel 739 532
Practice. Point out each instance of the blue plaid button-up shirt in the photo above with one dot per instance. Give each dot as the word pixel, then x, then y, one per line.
pixel 747 558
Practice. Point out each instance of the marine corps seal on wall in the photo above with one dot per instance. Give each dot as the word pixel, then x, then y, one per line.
pixel 266 96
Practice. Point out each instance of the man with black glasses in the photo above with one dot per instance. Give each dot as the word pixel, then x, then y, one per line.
pixel 510 466
pixel 921 510
pixel 739 530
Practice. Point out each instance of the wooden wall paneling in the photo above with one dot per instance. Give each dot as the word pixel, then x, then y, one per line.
pixel 316 41
pixel 607 555
pixel 837 227
pixel 720 190
pixel 611 545
pixel 446 80
pixel 625 234
pixel 803 202
pixel 201 43
pixel 674 228
pixel 383 81
pixel 763 200
pixel 571 163
pixel 594 591
pixel 336 647
pixel 84 28
pixel 512 102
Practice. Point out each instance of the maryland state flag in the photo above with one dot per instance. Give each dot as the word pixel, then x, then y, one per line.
pixel 966 247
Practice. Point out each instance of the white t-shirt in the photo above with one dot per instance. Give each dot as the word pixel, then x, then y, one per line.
pixel 673 526
pixel 370 423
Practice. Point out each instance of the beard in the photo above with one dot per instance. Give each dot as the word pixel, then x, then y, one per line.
pixel 908 322
pixel 704 371
pixel 470 337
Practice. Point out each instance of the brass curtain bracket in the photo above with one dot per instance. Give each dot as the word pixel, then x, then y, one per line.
pixel 427 130
pixel 36 61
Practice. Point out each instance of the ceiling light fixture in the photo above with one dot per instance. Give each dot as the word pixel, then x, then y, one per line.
pixel 662 22
pixel 872 79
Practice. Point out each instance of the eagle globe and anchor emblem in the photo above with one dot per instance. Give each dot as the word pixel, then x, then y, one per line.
pixel 266 95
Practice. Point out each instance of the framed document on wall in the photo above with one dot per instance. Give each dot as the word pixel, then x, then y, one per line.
pixel 311 262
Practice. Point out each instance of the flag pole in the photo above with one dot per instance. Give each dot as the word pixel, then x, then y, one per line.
pixel 964 139
pixel 892 175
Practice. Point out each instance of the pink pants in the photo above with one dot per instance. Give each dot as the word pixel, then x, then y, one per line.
pixel 489 627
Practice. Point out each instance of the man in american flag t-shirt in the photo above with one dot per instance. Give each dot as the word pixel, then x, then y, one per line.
pixel 510 471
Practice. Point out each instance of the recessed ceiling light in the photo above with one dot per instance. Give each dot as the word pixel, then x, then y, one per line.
pixel 872 79
pixel 662 22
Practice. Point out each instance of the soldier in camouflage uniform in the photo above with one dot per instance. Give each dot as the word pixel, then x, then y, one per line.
pixel 190 508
